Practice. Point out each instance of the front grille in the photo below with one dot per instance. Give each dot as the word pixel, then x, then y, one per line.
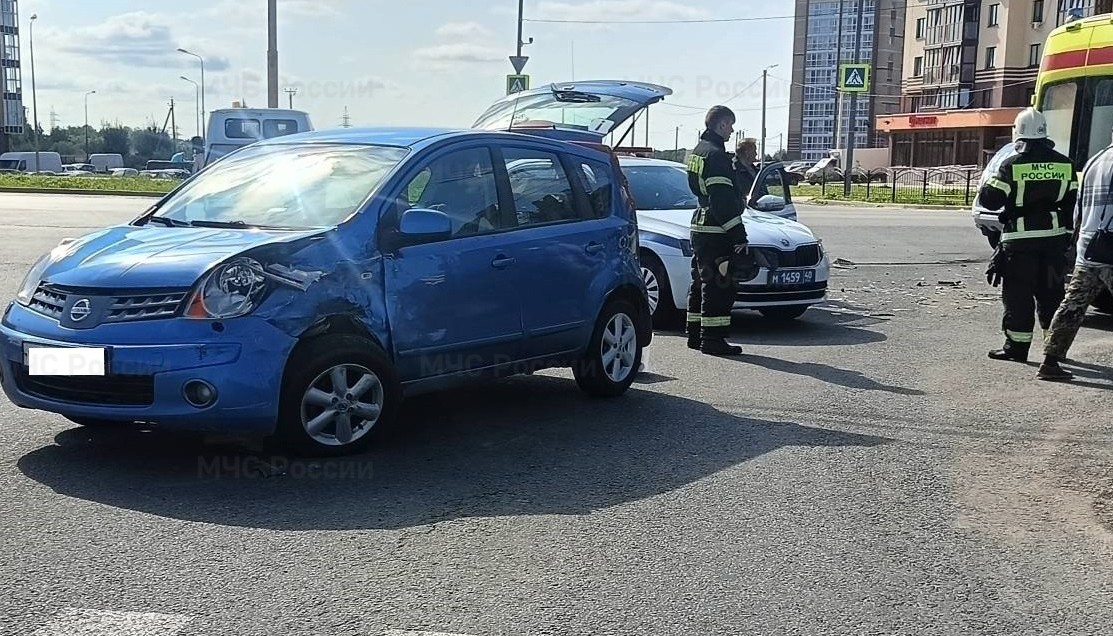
pixel 52 301
pixel 48 302
pixel 107 390
pixel 127 308
pixel 803 256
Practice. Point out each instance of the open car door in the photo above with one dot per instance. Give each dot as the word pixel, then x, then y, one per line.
pixel 575 111
pixel 772 192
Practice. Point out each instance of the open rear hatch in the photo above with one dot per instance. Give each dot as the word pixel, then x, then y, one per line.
pixel 576 111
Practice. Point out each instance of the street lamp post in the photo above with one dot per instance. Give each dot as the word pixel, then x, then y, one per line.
pixel 196 102
pixel 34 95
pixel 87 124
pixel 203 111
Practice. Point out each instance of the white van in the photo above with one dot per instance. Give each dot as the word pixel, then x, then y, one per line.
pixel 25 161
pixel 106 162
pixel 233 128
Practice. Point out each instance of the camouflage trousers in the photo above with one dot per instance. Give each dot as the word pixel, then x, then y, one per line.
pixel 1085 286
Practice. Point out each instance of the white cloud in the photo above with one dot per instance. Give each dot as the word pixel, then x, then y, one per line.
pixel 618 10
pixel 137 39
pixel 461 53
pixel 465 30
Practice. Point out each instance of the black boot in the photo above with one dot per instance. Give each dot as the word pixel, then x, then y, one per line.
pixel 694 339
pixel 719 347
pixel 1052 372
pixel 1011 351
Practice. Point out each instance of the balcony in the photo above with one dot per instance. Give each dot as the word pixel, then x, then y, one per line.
pixel 943 35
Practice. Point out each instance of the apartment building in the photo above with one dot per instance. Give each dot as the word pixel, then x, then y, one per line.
pixel 11 103
pixel 969 67
pixel 826 34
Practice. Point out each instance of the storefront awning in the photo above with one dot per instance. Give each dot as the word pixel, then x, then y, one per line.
pixel 948 119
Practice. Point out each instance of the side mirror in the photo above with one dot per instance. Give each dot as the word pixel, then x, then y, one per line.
pixel 421 225
pixel 770 203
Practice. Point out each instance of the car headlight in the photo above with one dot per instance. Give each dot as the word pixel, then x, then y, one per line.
pixel 31 280
pixel 231 290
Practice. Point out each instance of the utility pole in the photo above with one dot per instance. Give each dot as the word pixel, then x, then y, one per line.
pixel 173 128
pixel 852 137
pixel 518 61
pixel 764 94
pixel 290 92
pixel 346 120
pixel 676 144
pixel 272 53
pixel 87 124
pixel 835 90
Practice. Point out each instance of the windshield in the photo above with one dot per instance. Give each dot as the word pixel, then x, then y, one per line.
pixel 284 186
pixel 594 113
pixel 660 187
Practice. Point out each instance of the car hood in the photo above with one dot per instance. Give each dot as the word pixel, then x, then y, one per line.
pixel 153 256
pixel 761 228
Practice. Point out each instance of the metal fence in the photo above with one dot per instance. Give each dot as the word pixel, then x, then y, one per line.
pixel 950 185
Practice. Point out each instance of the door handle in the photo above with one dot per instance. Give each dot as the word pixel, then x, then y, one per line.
pixel 593 248
pixel 502 262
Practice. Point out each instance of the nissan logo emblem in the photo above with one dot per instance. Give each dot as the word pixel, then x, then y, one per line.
pixel 80 310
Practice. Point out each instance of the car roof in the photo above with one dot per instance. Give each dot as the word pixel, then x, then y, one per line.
pixel 413 138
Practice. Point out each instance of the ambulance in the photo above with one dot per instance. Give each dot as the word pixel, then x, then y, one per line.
pixel 1074 89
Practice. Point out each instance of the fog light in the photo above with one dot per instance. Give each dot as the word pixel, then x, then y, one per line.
pixel 199 393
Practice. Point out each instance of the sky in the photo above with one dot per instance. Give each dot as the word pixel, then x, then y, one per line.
pixel 399 63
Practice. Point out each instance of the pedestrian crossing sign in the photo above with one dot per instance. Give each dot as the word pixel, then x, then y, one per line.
pixel 854 78
pixel 516 84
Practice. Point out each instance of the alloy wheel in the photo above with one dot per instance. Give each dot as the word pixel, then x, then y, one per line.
pixel 619 348
pixel 652 288
pixel 342 404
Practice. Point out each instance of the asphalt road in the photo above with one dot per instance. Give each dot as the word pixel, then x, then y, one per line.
pixel 864 470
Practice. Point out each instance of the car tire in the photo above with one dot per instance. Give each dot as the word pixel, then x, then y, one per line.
pixel 790 312
pixel 662 308
pixel 615 335
pixel 312 398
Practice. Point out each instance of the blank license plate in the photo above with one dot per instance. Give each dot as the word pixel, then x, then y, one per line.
pixel 72 361
pixel 785 278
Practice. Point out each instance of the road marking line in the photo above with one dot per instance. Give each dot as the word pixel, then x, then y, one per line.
pixel 406 632
pixel 88 622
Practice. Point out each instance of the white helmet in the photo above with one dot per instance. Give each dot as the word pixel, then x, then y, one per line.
pixel 1030 124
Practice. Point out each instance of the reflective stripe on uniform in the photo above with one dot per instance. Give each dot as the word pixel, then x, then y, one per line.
pixel 1003 186
pixel 708 229
pixel 1023 233
pixel 735 222
pixel 1022 337
pixel 720 181
pixel 694 317
pixel 715 321
pixel 695 164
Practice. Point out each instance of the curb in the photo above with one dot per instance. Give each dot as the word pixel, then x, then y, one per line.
pixel 104 193
pixel 892 206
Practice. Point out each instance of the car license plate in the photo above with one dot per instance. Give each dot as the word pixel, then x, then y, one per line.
pixel 787 277
pixel 66 361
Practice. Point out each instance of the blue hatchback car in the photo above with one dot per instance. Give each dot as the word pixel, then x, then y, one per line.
pixel 302 286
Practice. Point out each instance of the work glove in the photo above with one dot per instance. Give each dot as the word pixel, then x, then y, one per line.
pixel 993 276
pixel 996 266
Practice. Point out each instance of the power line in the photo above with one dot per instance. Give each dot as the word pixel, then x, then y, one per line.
pixel 828 89
pixel 688 21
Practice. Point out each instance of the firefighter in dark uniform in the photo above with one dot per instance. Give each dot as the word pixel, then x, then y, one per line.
pixel 717 236
pixel 1035 190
